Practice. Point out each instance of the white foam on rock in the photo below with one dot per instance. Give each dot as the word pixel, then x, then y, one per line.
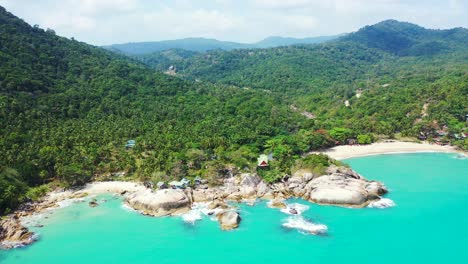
pixel 68 202
pixel 192 216
pixel 300 208
pixel 307 227
pixel 382 203
pixel 197 212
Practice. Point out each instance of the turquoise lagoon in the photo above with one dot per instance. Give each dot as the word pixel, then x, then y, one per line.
pixel 428 225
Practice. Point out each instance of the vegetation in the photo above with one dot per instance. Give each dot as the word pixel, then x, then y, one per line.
pixel 68 108
pixel 385 79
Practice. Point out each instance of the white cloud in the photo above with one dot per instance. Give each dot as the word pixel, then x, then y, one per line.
pixel 115 21
pixel 93 7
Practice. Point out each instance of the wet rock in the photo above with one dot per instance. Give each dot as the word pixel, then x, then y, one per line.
pixel 93 203
pixel 277 203
pixel 218 205
pixel 228 220
pixel 13 234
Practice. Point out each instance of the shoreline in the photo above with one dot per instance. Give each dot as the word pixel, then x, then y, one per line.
pixel 339 186
pixel 384 148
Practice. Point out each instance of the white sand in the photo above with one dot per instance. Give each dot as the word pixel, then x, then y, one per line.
pixel 112 187
pixel 95 188
pixel 350 151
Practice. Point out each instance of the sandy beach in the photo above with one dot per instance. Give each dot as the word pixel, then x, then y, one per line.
pixel 351 151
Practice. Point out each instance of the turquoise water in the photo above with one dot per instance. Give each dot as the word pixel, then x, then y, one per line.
pixel 428 225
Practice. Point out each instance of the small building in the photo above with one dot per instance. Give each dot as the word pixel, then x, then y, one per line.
pixel 262 161
pixel 130 144
pixel 161 185
pixel 176 185
pixel 352 141
pixel 197 180
pixel 184 183
pixel 422 136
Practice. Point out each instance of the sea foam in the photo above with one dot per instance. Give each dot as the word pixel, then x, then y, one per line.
pixel 300 208
pixel 197 212
pixel 307 227
pixel 68 202
pixel 382 203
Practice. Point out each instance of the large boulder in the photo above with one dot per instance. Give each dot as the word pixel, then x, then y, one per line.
pixel 160 203
pixel 251 180
pixel 343 189
pixel 262 189
pixel 277 203
pixel 228 220
pixel 248 191
pixel 13 234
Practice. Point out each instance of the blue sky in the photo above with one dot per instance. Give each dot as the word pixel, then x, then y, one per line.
pixel 103 22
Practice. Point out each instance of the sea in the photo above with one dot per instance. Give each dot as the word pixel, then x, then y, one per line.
pixel 425 221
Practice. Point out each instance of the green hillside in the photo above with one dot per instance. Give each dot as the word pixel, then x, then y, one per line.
pixel 67 109
pixel 411 80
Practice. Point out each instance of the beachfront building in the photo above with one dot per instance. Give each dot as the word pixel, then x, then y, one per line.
pixel 130 144
pixel 161 185
pixel 262 161
pixel 184 183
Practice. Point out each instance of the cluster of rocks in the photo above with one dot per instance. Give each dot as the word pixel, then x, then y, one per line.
pixel 13 233
pixel 339 186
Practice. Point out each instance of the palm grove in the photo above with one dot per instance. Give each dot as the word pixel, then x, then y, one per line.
pixel 67 108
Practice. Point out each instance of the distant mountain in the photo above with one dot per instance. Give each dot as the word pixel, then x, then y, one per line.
pixel 406 39
pixel 192 44
pixel 276 41
pixel 204 44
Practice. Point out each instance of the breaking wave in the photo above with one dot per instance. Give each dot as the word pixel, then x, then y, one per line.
pixel 304 226
pixel 295 209
pixel 382 203
pixel 68 202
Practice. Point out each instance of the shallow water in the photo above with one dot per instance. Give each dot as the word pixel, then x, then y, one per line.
pixel 427 225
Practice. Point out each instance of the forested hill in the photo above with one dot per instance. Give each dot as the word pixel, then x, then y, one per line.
pixel 392 77
pixel 406 39
pixel 67 110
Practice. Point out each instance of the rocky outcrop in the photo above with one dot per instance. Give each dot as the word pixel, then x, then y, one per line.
pixel 160 203
pixel 93 203
pixel 13 234
pixel 343 189
pixel 277 203
pixel 228 220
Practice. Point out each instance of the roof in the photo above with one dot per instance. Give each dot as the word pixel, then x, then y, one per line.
pixel 176 183
pixel 262 160
pixel 184 181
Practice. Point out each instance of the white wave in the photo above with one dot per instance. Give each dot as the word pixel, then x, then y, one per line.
pixel 196 213
pixel 295 207
pixel 301 224
pixel 382 203
pixel 128 208
pixel 192 216
pixel 68 202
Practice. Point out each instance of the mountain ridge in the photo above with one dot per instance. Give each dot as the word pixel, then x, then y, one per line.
pixel 207 44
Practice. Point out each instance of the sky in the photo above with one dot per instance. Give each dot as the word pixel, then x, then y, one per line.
pixel 102 22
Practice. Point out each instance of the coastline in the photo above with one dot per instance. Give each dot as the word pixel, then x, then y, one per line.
pixel 339 186
pixel 380 148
